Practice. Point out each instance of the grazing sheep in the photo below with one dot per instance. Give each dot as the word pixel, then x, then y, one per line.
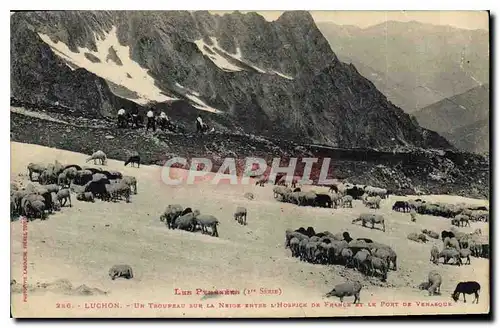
pixel 241 215
pixel 400 205
pixel 352 288
pixel 433 283
pixel 347 256
pixel 347 201
pixel 361 260
pixel 187 210
pixel 450 253
pixel 130 181
pixel 70 173
pixel 366 240
pixel 119 190
pixel 133 159
pixel 294 247
pixel 294 234
pixel 97 156
pixel 85 197
pixel 83 177
pixel 62 180
pixel 465 253
pixel 370 218
pixel 121 270
pixel 431 233
pixel 64 194
pixel 34 207
pixel 434 254
pixel 467 287
pixel 171 213
pixel 386 253
pixel 452 242
pixel 205 220
pixel 379 264
pixel 302 248
pixel 372 202
pixel 185 222
pixel 55 201
pixel 47 177
pixel 35 168
pixel 323 200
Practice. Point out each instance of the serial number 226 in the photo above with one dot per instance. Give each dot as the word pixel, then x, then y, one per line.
pixel 63 306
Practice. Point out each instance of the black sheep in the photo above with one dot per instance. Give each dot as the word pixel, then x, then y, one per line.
pixel 469 287
pixel 134 159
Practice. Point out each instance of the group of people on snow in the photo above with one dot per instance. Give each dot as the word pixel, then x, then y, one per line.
pixel 163 121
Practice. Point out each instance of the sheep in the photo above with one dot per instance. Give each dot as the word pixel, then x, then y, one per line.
pixel 302 248
pixel 434 254
pixel 401 205
pixel 241 215
pixel 121 270
pixel 171 213
pixel 352 288
pixel 361 260
pixel 83 177
pixel 280 191
pixel 85 197
pixel 133 159
pixel 465 253
pixel 323 200
pixel 366 240
pixel 130 181
pixel 310 252
pixel 347 256
pixel 431 233
pixel 64 194
pixel 379 264
pixel 294 247
pixel 47 177
pixel 370 218
pixel 97 156
pixel 205 221
pixel 333 189
pixel 35 207
pixel 185 222
pixel 346 236
pixel 463 219
pixel 55 201
pixel 35 168
pixel 347 201
pixel 186 211
pixel 467 287
pixel 386 253
pixel 450 253
pixel 372 202
pixel 117 190
pixel 452 242
pixel 433 283
pixel 62 180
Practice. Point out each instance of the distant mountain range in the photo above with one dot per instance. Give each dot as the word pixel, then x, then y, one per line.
pixel 462 119
pixel 413 64
pixel 278 79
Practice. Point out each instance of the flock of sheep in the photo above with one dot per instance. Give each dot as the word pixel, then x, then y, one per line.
pixel 363 254
pixel 56 182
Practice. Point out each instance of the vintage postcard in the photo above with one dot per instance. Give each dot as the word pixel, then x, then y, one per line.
pixel 187 164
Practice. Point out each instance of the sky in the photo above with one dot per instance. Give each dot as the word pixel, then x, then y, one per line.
pixel 461 19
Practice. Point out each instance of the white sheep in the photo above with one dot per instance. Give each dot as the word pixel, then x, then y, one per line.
pixel 98 155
